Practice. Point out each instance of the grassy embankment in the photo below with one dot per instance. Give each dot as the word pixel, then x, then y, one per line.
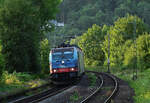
pixel 141 86
pixel 92 78
pixel 14 82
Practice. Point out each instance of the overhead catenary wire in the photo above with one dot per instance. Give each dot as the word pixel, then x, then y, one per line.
pixel 62 21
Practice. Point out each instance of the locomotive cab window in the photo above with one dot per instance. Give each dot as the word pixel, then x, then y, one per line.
pixel 59 54
pixel 68 55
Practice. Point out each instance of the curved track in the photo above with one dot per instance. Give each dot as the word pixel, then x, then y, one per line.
pixel 107 87
pixel 107 80
pixel 91 95
pixel 116 84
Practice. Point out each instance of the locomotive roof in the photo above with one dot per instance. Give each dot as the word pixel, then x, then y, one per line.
pixel 63 48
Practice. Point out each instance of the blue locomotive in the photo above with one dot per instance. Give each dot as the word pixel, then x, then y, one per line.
pixel 66 63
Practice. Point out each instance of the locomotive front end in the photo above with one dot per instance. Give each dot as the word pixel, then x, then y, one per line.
pixel 63 64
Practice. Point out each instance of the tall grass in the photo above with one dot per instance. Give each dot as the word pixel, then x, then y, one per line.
pixel 18 81
pixel 9 78
pixel 142 87
pixel 96 68
pixel 15 78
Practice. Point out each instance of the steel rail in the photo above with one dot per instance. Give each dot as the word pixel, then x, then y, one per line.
pixel 42 95
pixel 50 95
pixel 115 89
pixel 21 93
pixel 91 95
pixel 53 91
pixel 113 92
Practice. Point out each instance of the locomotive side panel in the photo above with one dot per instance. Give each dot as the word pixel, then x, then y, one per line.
pixel 80 62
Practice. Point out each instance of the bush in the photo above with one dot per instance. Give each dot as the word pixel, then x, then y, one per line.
pixel 91 44
pixel 142 88
pixel 2 63
pixel 10 78
pixel 122 31
pixel 129 55
pixel 44 52
pixel 142 51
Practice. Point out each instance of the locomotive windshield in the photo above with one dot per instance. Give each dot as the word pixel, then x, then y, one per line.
pixel 57 56
pixel 68 55
pixel 60 54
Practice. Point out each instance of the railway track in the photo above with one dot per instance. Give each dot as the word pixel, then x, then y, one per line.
pixel 114 89
pixel 107 87
pixel 108 82
pixel 42 95
pixel 20 94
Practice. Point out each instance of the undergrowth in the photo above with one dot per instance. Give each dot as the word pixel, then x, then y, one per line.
pixel 12 82
pixel 92 78
pixel 75 96
pixel 141 85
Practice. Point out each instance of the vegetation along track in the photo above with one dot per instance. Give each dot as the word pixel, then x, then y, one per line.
pixel 42 95
pixel 20 94
pixel 106 90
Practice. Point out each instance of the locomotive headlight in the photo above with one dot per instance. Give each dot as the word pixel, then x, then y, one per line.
pixel 63 62
pixel 72 69
pixel 55 71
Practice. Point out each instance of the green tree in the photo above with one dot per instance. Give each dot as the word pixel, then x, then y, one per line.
pixel 126 28
pixel 85 13
pixel 1 61
pixel 22 23
pixel 143 9
pixel 143 51
pixel 116 42
pixel 129 54
pixel 140 55
pixel 130 27
pixel 76 40
pixel 90 42
pixel 44 54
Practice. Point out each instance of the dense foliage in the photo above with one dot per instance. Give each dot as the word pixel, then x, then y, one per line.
pixel 44 54
pixel 129 43
pixel 1 61
pixel 23 46
pixel 143 51
pixel 79 15
pixel 124 29
pixel 141 87
pixel 91 42
pixel 22 24
pixel 142 56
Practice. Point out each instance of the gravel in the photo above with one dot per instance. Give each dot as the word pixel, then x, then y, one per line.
pixel 83 89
